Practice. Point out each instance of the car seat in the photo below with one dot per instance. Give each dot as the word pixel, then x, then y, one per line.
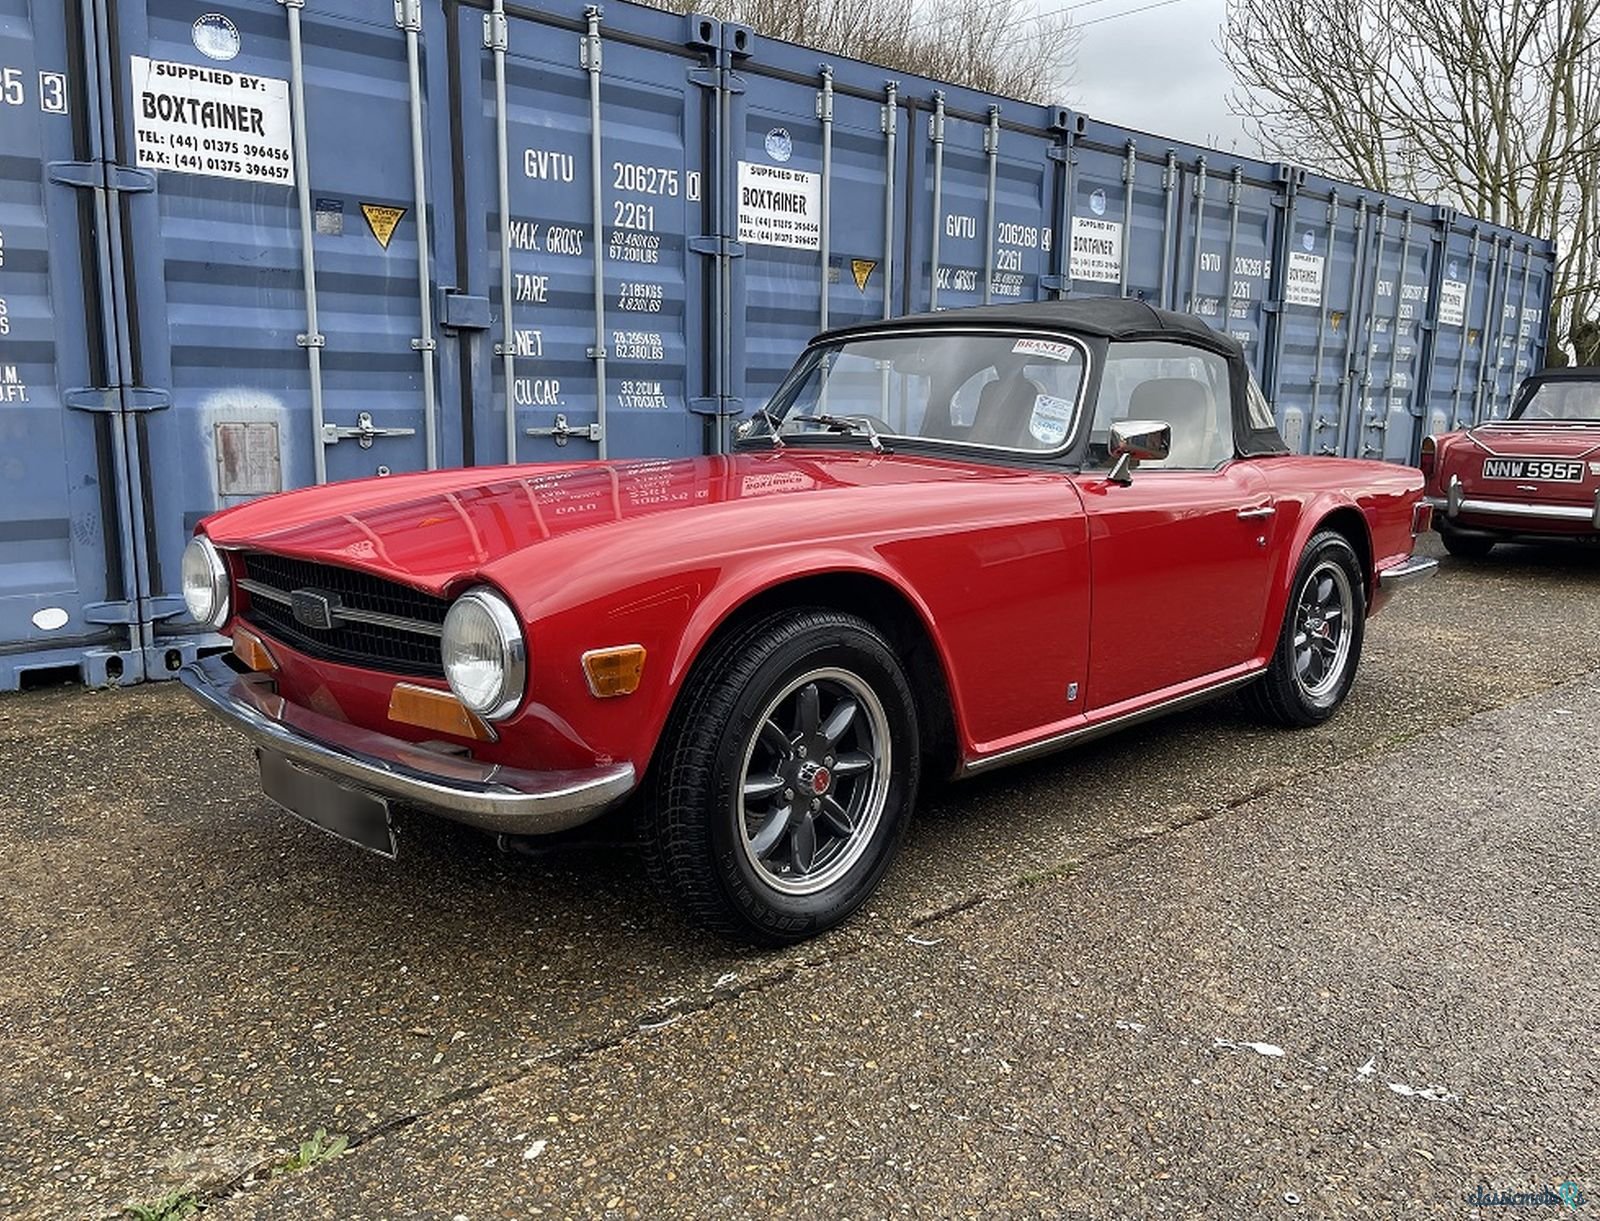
pixel 1186 405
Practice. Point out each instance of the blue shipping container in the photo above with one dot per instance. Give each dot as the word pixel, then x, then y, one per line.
pixel 251 245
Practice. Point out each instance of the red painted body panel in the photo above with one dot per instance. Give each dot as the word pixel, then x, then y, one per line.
pixel 1462 455
pixel 997 561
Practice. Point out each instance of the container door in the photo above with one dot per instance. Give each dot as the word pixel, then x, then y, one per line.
pixel 212 261
pixel 1397 310
pixel 1225 252
pixel 605 353
pixel 1320 282
pixel 982 208
pixel 1119 218
pixel 787 212
pixel 63 555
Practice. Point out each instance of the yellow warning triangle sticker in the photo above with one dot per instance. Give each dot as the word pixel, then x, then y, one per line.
pixel 862 270
pixel 382 220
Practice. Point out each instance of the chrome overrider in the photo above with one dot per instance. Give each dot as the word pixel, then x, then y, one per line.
pixel 1455 502
pixel 484 795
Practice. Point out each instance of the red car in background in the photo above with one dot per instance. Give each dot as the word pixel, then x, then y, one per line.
pixel 1534 475
pixel 948 543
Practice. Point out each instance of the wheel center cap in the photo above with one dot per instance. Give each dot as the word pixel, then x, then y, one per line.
pixel 815 777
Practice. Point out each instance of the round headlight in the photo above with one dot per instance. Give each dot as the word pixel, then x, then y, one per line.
pixel 485 658
pixel 205 582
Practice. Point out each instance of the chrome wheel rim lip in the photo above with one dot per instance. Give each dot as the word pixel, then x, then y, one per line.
pixel 1323 630
pixel 866 798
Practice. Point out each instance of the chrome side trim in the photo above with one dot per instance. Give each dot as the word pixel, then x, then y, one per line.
pixel 1087 733
pixel 350 614
pixel 1453 505
pixel 1407 572
pixel 484 795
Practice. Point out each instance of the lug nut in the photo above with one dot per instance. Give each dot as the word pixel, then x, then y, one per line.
pixel 788 794
pixel 802 752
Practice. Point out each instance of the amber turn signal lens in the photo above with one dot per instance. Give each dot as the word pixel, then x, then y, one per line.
pixel 248 648
pixel 431 709
pixel 614 671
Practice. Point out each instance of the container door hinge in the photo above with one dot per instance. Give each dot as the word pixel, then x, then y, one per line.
pixel 717 247
pixel 496 35
pixel 727 405
pixel 122 398
pixel 561 432
pixel 93 175
pixel 111 613
pixel 363 432
pixel 463 312
pixel 165 608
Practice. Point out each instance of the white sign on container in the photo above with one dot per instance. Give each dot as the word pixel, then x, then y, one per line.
pixel 1096 250
pixel 1304 283
pixel 1453 302
pixel 211 121
pixel 779 206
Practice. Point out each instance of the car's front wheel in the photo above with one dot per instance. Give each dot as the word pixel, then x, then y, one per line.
pixel 785 777
pixel 1319 646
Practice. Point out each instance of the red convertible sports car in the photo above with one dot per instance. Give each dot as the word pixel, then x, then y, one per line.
pixel 948 543
pixel 1535 474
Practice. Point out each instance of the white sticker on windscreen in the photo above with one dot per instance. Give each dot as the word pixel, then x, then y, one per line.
pixel 1052 348
pixel 1048 424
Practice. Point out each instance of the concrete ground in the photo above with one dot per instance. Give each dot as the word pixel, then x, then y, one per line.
pixel 1201 967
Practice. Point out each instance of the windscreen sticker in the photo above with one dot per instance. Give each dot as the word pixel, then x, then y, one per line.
pixel 1054 349
pixel 211 121
pixel 1048 424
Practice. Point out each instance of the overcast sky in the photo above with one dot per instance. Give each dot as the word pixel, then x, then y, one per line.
pixel 1157 71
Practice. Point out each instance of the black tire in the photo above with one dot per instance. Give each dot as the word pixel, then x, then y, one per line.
pixel 703 840
pixel 1466 546
pixel 1286 694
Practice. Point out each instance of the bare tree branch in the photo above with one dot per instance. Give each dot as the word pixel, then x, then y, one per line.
pixel 1492 106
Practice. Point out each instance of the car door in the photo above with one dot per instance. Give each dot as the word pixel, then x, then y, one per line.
pixel 1180 558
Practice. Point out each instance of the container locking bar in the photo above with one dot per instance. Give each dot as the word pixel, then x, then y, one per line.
pixel 936 134
pixel 408 16
pixel 591 52
pixel 496 39
pixel 311 339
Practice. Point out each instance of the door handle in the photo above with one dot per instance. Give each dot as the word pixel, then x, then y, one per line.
pixel 1259 513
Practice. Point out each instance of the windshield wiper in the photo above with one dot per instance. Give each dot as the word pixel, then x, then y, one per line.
pixel 854 425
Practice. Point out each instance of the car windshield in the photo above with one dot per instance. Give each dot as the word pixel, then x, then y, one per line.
pixel 1005 391
pixel 1563 400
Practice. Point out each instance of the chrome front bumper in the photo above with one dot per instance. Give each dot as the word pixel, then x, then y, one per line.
pixel 484 795
pixel 1406 573
pixel 1456 502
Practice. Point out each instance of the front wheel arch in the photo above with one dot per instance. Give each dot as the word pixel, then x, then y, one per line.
pixel 881 603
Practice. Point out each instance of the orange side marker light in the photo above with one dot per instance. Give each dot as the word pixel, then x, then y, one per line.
pixel 614 671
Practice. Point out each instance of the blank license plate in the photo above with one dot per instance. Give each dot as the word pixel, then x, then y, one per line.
pixel 356 817
pixel 1554 470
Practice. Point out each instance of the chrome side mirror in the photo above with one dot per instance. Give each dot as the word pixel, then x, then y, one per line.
pixel 1136 441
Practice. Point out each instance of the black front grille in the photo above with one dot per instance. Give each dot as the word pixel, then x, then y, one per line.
pixel 372 646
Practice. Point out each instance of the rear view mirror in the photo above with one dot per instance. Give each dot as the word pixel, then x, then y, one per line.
pixel 1135 441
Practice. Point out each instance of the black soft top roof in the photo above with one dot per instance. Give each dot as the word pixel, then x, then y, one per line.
pixel 1576 373
pixel 1106 317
